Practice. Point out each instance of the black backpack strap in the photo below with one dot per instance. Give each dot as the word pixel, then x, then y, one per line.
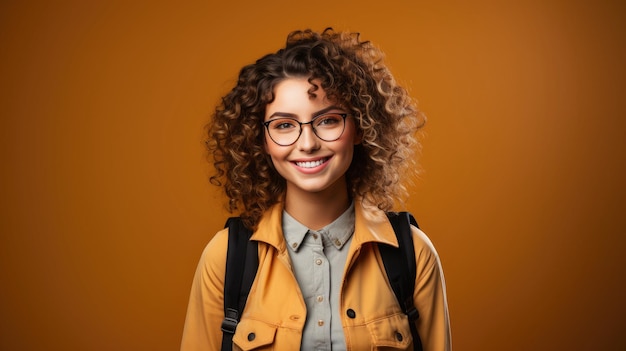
pixel 241 265
pixel 401 268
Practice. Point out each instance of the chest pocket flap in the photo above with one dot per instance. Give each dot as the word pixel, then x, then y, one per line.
pixel 392 333
pixel 253 334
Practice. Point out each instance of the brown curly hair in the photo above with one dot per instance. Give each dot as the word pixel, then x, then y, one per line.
pixel 351 72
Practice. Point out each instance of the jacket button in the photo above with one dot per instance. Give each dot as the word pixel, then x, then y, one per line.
pixel 251 336
pixel 351 313
pixel 398 336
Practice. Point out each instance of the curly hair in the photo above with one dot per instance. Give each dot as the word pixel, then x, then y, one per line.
pixel 351 72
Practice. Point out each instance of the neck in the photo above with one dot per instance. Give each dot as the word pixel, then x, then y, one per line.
pixel 317 210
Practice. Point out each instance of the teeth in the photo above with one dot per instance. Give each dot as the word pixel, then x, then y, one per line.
pixel 310 164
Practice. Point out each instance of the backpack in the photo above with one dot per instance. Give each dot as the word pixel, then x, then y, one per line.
pixel 242 262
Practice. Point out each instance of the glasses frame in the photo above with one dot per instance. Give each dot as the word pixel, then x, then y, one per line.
pixel 343 115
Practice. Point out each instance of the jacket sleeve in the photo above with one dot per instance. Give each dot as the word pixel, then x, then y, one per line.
pixel 205 312
pixel 429 296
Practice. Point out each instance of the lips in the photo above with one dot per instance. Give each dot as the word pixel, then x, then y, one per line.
pixel 311 164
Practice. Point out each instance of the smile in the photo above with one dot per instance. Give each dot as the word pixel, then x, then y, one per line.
pixel 311 164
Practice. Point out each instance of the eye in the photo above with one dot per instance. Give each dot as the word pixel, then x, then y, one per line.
pixel 328 120
pixel 284 124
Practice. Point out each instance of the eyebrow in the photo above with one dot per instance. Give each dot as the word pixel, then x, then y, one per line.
pixel 315 114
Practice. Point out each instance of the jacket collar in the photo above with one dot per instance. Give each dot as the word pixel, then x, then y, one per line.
pixel 371 225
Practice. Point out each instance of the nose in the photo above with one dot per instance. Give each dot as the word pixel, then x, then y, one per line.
pixel 308 141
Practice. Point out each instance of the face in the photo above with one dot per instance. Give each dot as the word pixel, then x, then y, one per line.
pixel 309 165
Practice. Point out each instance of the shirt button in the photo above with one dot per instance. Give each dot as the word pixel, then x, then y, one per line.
pixel 337 242
pixel 318 261
pixel 350 312
pixel 315 236
pixel 320 323
pixel 320 298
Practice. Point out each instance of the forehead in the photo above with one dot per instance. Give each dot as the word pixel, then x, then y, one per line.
pixel 297 96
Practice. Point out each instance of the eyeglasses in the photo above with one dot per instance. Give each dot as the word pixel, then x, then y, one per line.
pixel 285 131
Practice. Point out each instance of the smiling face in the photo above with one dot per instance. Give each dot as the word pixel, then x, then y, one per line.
pixel 309 165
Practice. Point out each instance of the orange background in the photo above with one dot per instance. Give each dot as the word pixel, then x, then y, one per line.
pixel 106 206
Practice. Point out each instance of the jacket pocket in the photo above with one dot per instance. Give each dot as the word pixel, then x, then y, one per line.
pixel 391 333
pixel 254 335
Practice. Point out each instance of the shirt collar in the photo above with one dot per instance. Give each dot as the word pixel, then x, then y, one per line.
pixel 371 225
pixel 336 233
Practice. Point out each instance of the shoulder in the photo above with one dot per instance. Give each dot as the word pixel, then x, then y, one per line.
pixel 212 263
pixel 218 244
pixel 425 252
pixel 421 240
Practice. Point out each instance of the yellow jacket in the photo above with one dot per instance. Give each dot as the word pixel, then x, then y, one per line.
pixel 275 311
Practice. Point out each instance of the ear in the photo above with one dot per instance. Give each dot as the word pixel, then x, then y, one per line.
pixel 267 153
pixel 358 137
pixel 266 141
pixel 265 146
pixel 358 132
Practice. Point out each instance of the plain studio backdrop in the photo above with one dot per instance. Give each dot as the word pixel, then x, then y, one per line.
pixel 104 199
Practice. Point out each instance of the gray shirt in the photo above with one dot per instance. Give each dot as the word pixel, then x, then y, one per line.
pixel 318 259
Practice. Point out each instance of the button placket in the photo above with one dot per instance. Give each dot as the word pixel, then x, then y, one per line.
pixel 321 278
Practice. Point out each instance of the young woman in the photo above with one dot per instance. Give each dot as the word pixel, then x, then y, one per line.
pixel 311 146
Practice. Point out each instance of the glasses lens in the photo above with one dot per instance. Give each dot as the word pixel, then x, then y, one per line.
pixel 329 127
pixel 284 131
